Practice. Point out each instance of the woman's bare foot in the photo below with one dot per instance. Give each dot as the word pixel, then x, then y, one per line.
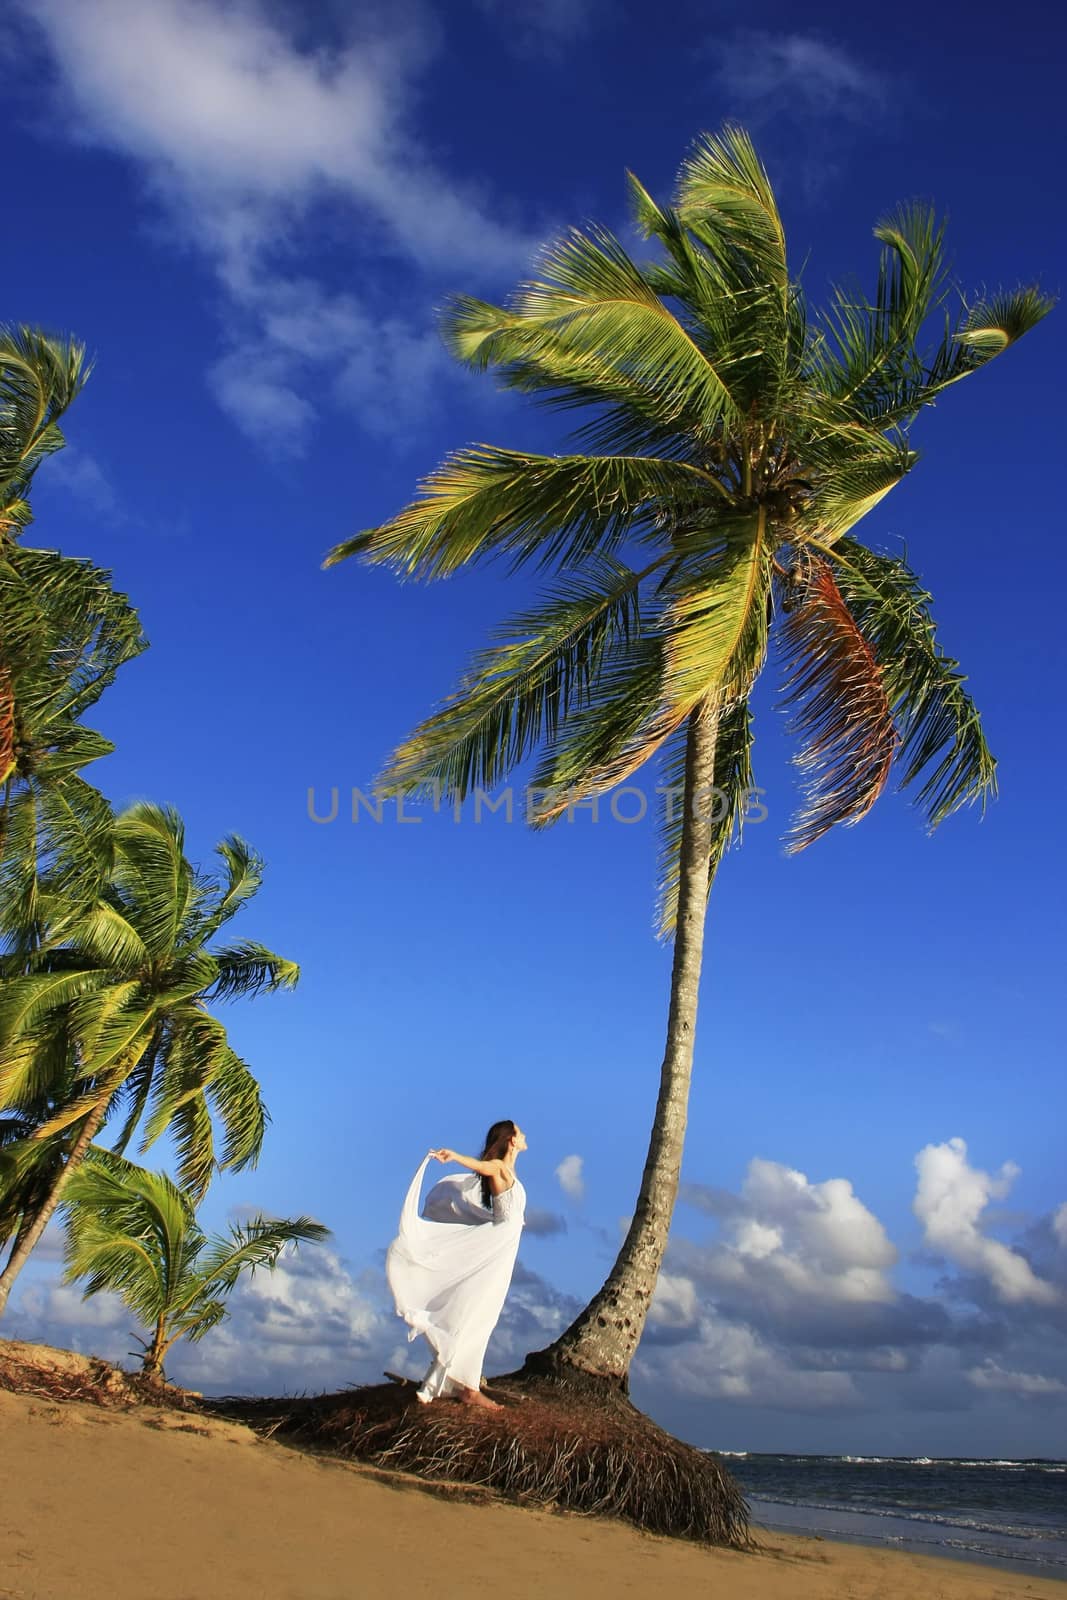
pixel 475 1397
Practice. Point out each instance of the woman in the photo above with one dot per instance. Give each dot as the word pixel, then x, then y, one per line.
pixel 450 1269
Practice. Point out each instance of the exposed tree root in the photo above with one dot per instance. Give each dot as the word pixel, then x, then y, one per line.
pixel 39 1370
pixel 550 1445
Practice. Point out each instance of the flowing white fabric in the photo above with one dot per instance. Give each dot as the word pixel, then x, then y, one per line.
pixel 449 1270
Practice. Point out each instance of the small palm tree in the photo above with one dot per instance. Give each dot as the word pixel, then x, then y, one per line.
pixel 113 1016
pixel 732 441
pixel 64 633
pixel 135 1234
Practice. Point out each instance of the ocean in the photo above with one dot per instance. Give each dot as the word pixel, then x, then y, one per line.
pixel 1010 1513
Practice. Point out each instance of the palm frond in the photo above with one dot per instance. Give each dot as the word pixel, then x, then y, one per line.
pixel 193 1133
pixel 133 1094
pixel 129 1231
pixel 725 198
pixel 257 1244
pixel 843 715
pixel 992 325
pixel 25 1002
pixel 105 938
pixel 195 1046
pixel 66 626
pixel 39 378
pixel 710 636
pixel 941 738
pixel 606 739
pixel 714 619
pixel 872 346
pixel 151 871
pixel 734 313
pixel 244 879
pixel 248 968
pixel 594 322
pixel 27 1073
pixel 237 1101
pixel 848 487
pixel 522 688
pixel 28 1169
pixel 550 510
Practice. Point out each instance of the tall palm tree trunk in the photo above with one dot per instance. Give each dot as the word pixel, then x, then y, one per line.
pixel 28 1237
pixel 599 1345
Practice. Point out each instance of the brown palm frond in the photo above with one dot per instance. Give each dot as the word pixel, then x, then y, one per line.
pixel 7 725
pixel 843 716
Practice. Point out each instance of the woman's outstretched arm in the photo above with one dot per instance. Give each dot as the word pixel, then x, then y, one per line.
pixel 487 1169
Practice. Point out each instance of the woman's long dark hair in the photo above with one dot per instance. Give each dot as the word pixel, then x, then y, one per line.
pixel 496 1142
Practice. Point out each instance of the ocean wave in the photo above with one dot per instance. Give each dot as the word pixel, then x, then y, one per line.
pixel 902 1513
pixel 992 1551
pixel 970 1541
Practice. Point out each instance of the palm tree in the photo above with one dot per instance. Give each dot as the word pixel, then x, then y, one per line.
pixel 135 1233
pixel 39 378
pixel 113 1016
pixel 732 440
pixel 64 633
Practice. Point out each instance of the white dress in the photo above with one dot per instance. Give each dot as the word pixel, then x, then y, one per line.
pixel 449 1271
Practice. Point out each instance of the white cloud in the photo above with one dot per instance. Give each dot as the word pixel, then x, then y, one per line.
pixel 675 1303
pixel 991 1376
pixel 764 1315
pixel 241 134
pixel 789 1307
pixel 729 1360
pixel 308 1325
pixel 54 1301
pixel 949 1202
pixel 1059 1224
pixel 254 385
pixel 569 1173
pixel 798 72
pixel 793 1239
pixel 224 107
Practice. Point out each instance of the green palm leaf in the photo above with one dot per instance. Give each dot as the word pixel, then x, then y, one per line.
pixel 548 509
pixel 522 688
pixel 248 968
pixel 724 197
pixel 39 378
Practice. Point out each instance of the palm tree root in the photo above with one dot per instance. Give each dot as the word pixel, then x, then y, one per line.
pixel 550 1444
pixel 64 1375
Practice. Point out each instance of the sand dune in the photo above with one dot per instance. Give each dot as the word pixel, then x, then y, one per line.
pixel 163 1505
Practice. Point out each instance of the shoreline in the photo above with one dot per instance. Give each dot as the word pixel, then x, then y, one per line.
pixel 238 1517
pixel 930 1549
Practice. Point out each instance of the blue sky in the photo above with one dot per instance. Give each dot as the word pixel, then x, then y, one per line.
pixel 250 214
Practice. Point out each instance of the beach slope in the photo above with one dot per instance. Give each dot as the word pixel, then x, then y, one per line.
pixel 115 1504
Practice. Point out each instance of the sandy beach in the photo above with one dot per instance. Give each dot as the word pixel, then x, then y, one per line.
pixel 163 1505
